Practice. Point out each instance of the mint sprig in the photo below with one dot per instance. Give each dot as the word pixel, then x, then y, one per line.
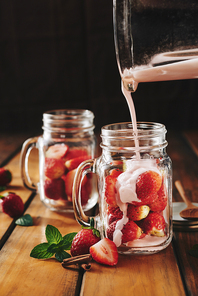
pixel 25 220
pixel 56 244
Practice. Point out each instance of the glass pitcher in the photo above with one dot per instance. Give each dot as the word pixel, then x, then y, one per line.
pixel 155 40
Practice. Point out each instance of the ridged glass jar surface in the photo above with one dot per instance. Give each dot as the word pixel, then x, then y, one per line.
pixel 135 188
pixel 68 139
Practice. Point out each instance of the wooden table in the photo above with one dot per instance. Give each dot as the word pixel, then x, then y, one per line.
pixel 170 272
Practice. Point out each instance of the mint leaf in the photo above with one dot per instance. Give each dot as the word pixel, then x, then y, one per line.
pixel 25 220
pixel 194 251
pixel 53 235
pixel 53 248
pixel 40 251
pixel 60 255
pixel 67 240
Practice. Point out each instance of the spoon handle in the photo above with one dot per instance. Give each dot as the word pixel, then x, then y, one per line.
pixel 182 193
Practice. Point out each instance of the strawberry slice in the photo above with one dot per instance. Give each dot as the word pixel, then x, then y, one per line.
pixel 54 168
pixel 73 163
pixel 104 252
pixel 147 186
pixel 136 213
pixel 54 188
pixel 130 232
pixel 110 190
pixel 161 202
pixel 115 173
pixel 57 151
pixel 75 152
pixel 153 224
pixel 69 179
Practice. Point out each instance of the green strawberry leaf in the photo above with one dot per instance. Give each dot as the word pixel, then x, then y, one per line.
pixel 25 220
pixel 60 255
pixel 53 235
pixel 194 251
pixel 40 251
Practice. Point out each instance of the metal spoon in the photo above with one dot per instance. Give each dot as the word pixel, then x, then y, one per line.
pixel 191 211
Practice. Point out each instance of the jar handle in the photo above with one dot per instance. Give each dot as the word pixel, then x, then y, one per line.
pixel 28 145
pixel 85 167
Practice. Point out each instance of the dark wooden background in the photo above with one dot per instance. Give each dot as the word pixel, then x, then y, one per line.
pixel 57 54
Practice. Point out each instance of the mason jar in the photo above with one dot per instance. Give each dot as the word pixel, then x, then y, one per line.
pixel 135 188
pixel 68 139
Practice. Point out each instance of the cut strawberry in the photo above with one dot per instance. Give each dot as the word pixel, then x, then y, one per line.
pixel 12 205
pixel 73 163
pixel 110 190
pixel 75 152
pixel 105 252
pixel 136 213
pixel 115 173
pixel 130 232
pixel 54 168
pixel 153 224
pixel 57 151
pixel 69 179
pixel 54 189
pixel 160 204
pixel 147 186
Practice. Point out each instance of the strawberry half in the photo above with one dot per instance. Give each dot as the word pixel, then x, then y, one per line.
pixel 153 224
pixel 110 190
pixel 73 163
pixel 105 252
pixel 160 204
pixel 54 168
pixel 57 151
pixel 55 188
pixel 5 177
pixel 83 240
pixel 136 213
pixel 75 152
pixel 147 186
pixel 12 205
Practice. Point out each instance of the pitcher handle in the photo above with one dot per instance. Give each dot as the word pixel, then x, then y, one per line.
pixel 28 145
pixel 84 168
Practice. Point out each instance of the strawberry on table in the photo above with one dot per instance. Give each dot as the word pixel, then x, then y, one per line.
pixel 153 224
pixel 83 240
pixel 160 204
pixel 147 186
pixel 57 151
pixel 5 177
pixel 54 168
pixel 105 252
pixel 73 163
pixel 55 188
pixel 12 205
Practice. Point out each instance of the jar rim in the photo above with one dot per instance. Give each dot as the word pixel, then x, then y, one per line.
pixel 67 114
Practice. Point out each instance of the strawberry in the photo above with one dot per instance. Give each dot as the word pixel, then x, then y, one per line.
pixel 136 213
pixel 12 205
pixel 73 163
pixel 130 231
pixel 54 168
pixel 115 173
pixel 54 188
pixel 105 252
pixel 114 214
pixel 110 190
pixel 75 152
pixel 153 224
pixel 57 151
pixel 147 186
pixel 5 177
pixel 161 202
pixel 84 239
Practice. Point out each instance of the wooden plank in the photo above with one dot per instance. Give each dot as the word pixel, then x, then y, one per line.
pixel 21 274
pixel 185 168
pixel 155 274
